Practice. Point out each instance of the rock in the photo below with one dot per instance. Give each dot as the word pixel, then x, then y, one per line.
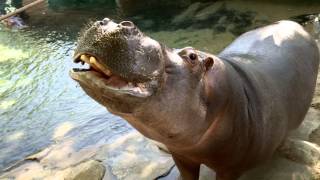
pixel 108 174
pixel 31 170
pixel 316 100
pixel 187 15
pixel 172 174
pixel 209 11
pixel 280 169
pixel 315 136
pixel 300 151
pixel 133 7
pixel 145 24
pixel 317 172
pixel 316 105
pixel 308 126
pixel 276 169
pixel 203 39
pixel 63 155
pixel 205 174
pixel 91 169
pixel 27 171
pixel 132 156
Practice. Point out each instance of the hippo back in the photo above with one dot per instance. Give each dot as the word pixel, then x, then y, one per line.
pixel 281 58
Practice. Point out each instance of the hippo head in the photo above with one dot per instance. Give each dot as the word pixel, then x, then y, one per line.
pixel 130 73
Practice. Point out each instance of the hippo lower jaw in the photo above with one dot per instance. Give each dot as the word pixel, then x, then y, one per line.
pixel 100 76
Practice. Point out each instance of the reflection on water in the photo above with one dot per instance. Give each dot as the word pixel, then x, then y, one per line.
pixel 41 105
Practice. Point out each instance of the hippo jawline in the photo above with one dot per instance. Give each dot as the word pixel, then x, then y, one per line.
pixel 112 82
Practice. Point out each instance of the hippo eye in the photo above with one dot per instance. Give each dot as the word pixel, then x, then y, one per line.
pixel 193 56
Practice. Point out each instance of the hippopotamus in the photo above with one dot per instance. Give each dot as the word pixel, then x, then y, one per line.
pixel 229 111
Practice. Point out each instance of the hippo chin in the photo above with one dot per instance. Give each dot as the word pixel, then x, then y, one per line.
pixel 229 112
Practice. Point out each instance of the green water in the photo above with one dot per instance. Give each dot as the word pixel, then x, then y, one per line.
pixel 41 105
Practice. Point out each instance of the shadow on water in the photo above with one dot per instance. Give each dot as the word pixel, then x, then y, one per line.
pixel 40 105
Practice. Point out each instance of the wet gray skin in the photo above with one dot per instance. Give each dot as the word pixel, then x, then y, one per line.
pixel 143 81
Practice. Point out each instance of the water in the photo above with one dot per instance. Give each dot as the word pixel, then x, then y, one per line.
pixel 41 105
pixel 39 102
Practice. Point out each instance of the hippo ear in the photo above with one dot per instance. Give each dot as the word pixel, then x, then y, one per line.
pixel 208 63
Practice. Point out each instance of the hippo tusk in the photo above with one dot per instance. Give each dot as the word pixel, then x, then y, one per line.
pixel 85 58
pixel 93 61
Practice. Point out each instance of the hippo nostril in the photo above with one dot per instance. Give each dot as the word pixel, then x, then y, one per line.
pixel 106 21
pixel 98 23
pixel 128 24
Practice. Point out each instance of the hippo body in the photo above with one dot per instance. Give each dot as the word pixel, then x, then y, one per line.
pixel 230 112
pixel 271 73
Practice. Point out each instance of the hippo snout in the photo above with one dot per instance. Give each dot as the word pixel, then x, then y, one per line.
pixel 123 49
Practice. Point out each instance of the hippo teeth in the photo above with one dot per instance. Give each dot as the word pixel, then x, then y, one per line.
pixel 84 58
pixel 113 81
pixel 92 61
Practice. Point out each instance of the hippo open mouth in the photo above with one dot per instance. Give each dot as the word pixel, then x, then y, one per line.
pixel 121 59
pixel 111 81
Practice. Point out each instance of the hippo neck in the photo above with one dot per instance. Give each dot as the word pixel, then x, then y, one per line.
pixel 177 116
pixel 226 93
pixel 243 119
pixel 235 131
pixel 172 130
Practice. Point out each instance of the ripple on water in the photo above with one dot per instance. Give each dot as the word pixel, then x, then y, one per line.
pixel 39 103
